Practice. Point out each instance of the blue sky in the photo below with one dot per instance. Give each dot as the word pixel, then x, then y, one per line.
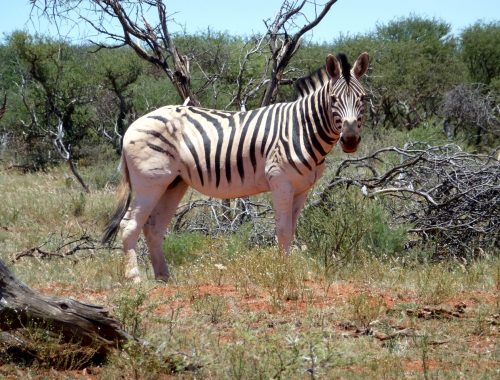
pixel 245 18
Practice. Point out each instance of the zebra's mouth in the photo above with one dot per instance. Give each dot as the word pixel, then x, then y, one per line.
pixel 349 145
pixel 349 150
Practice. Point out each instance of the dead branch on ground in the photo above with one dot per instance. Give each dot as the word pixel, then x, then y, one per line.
pixel 68 245
pixel 214 217
pixel 442 192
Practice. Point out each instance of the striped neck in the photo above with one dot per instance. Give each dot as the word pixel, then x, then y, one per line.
pixel 317 123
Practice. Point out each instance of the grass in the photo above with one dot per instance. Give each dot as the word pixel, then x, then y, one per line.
pixel 233 311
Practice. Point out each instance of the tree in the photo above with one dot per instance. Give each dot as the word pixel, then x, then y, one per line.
pixel 423 66
pixel 481 52
pixel 55 93
pixel 119 69
pixel 283 45
pixel 472 108
pixel 145 31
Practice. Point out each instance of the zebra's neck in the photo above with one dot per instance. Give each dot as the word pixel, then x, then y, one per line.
pixel 316 123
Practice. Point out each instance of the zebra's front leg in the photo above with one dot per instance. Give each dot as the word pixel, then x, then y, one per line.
pixel 298 204
pixel 283 194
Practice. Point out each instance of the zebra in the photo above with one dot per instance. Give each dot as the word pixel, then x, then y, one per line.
pixel 280 148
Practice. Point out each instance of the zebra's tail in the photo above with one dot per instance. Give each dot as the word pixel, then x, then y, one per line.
pixel 124 194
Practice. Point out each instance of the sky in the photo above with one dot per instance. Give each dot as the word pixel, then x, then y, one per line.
pixel 347 17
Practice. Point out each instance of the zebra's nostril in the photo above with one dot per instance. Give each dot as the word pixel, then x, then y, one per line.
pixel 359 139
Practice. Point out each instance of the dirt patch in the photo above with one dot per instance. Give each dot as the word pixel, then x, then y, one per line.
pixel 75 292
pixel 417 365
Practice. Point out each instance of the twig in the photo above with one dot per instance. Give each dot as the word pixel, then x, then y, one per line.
pixel 70 246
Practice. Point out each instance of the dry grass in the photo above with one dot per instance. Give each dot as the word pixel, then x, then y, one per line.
pixel 241 313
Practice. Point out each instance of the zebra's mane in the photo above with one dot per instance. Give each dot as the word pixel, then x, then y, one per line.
pixel 345 67
pixel 310 83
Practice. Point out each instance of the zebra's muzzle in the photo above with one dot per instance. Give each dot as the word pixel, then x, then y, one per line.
pixel 350 147
pixel 350 138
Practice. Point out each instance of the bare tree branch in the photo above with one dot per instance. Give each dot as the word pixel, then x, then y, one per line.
pixel 65 153
pixel 244 92
pixel 144 27
pixel 282 45
pixel 214 217
pixel 151 41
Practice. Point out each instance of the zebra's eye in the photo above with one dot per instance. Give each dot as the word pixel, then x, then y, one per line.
pixel 334 99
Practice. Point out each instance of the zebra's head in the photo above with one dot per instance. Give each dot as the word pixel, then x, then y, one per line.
pixel 347 97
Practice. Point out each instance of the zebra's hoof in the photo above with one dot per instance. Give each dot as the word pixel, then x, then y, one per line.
pixel 162 278
pixel 133 276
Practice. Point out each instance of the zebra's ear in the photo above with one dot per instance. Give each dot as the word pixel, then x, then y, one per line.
pixel 361 65
pixel 332 67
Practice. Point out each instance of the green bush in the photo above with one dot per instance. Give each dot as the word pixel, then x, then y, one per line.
pixel 345 224
pixel 381 238
pixel 183 247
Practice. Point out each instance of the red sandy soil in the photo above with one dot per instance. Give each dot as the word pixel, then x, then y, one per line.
pixel 313 296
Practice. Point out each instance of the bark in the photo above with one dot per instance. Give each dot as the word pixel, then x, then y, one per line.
pixel 77 175
pixel 4 106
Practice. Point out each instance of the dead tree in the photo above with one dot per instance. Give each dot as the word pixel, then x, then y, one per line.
pixel 149 37
pixel 22 308
pixel 283 36
pixel 145 28
pixel 283 45
pixel 474 109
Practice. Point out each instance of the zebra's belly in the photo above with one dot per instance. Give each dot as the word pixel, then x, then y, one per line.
pixel 234 190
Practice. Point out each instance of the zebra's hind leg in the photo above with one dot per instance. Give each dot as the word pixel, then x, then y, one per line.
pixel 143 203
pixel 154 229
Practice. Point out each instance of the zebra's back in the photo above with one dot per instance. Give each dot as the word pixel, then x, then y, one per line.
pixel 221 154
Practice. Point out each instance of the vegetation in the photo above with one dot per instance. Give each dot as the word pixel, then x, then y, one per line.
pixel 415 63
pixel 361 296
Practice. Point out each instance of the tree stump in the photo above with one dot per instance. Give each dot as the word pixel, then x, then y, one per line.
pixel 71 321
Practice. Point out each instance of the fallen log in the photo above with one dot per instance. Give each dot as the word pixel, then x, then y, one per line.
pixel 72 321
